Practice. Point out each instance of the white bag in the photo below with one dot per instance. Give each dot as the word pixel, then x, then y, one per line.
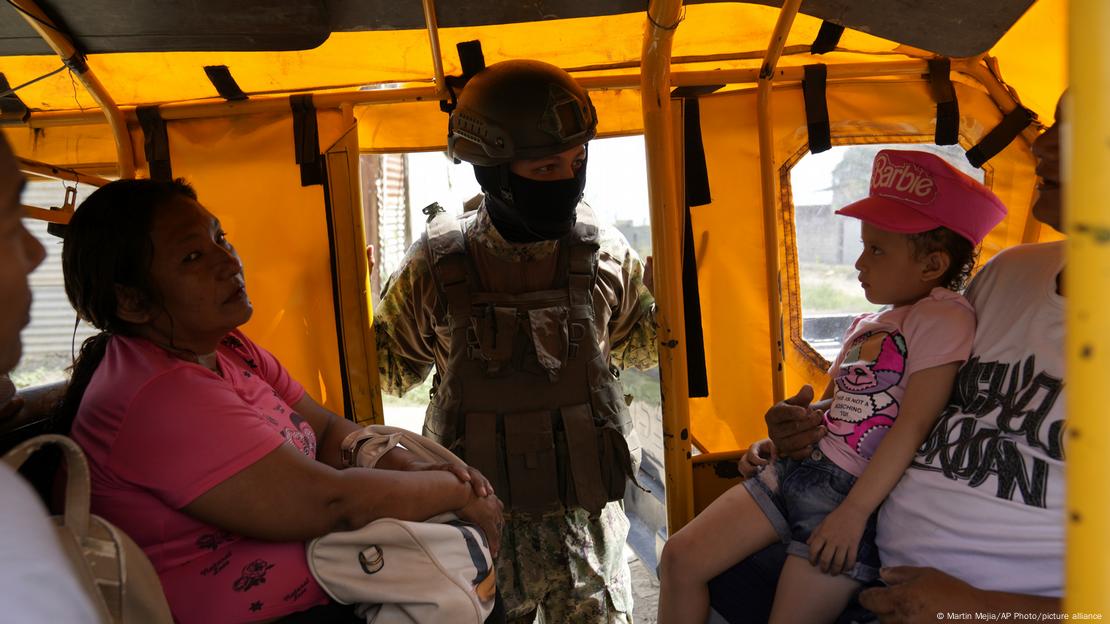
pixel 437 571
pixel 120 580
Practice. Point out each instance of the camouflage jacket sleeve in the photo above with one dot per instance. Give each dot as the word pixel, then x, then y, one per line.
pixel 632 325
pixel 404 323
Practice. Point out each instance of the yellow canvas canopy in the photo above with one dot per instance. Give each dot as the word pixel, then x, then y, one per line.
pixel 379 90
pixel 712 39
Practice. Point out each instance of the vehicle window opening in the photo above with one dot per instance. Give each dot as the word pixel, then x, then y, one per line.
pixel 49 341
pixel 396 187
pixel 827 245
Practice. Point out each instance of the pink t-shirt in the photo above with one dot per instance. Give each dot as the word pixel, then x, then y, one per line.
pixel 880 353
pixel 159 432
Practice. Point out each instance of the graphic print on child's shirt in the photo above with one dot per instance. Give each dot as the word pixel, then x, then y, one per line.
pixel 863 409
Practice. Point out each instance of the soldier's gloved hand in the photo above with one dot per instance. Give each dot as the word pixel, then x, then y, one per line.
pixel 466 474
pixel 486 513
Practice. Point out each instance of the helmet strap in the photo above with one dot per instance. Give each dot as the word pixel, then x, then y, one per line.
pixel 495 183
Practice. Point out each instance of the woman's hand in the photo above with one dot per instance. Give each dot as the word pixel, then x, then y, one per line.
pixel 486 513
pixel 833 544
pixel 758 455
pixel 466 474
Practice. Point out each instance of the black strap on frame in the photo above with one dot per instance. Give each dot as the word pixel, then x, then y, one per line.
pixel 697 194
pixel 948 108
pixel 817 109
pixel 11 107
pixel 694 91
pixel 472 61
pixel 306 139
pixel 997 139
pixel 827 38
pixel 156 143
pixel 220 77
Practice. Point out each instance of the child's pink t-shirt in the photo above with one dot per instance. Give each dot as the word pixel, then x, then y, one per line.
pixel 880 353
pixel 159 432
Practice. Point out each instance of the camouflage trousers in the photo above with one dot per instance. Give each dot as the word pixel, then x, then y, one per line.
pixel 565 567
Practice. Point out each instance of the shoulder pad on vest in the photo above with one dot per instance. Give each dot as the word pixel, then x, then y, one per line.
pixel 585 230
pixel 444 236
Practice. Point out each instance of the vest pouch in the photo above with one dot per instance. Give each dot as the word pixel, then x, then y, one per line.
pixel 483 450
pixel 550 338
pixel 582 460
pixel 496 330
pixel 530 462
pixel 616 462
pixel 438 424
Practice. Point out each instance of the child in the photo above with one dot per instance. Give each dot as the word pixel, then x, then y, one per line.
pixel 921 224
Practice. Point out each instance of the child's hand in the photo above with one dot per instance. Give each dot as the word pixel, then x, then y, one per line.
pixel 758 455
pixel 833 544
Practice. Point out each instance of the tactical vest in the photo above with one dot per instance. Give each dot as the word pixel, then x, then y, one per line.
pixel 526 395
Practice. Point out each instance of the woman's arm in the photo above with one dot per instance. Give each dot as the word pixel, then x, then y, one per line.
pixel 833 544
pixel 331 430
pixel 287 496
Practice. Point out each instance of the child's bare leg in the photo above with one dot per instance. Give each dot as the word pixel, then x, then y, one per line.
pixel 806 594
pixel 730 529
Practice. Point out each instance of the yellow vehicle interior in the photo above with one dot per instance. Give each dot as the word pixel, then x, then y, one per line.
pixel 266 108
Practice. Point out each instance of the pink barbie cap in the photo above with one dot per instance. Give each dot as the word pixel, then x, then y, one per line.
pixel 915 192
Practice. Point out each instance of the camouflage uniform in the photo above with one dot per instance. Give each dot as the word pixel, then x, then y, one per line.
pixel 571 565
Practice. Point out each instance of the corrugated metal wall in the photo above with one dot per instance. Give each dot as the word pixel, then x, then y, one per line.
pixel 52 318
pixel 386 213
pixel 393 211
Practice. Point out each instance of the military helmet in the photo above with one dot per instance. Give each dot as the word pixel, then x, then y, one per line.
pixel 519 109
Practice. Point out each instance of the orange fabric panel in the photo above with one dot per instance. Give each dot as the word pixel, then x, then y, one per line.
pixel 86 146
pixel 244 172
pixel 1031 56
pixel 728 240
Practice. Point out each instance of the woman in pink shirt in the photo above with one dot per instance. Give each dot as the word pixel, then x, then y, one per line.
pixel 202 447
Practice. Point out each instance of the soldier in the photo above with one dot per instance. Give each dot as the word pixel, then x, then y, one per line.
pixel 526 307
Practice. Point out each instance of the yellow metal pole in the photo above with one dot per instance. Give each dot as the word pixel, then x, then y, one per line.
pixel 63 46
pixel 50 216
pixel 433 41
pixel 417 92
pixel 768 185
pixel 1087 288
pixel 44 170
pixel 666 231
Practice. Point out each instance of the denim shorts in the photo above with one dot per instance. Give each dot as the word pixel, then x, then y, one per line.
pixel 797 495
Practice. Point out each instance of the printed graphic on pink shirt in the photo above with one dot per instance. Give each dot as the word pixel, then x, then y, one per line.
pixel 302 438
pixel 863 409
pixel 300 435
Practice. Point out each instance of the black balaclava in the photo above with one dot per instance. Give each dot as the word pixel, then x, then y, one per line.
pixel 529 211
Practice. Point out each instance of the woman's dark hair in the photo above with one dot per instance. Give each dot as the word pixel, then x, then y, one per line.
pixel 107 245
pixel 962 254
